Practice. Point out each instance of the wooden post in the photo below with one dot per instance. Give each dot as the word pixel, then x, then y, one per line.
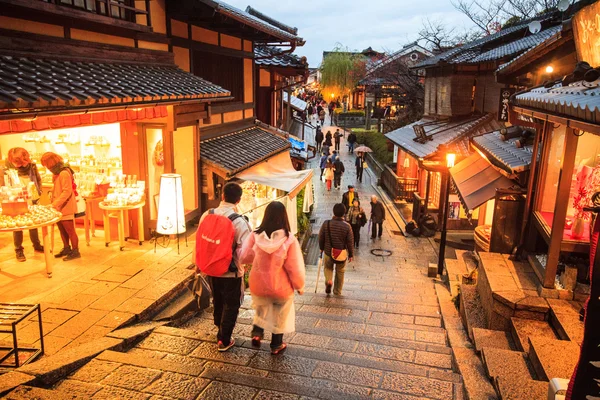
pixel 368 116
pixel 148 20
pixel 560 209
pixel 288 116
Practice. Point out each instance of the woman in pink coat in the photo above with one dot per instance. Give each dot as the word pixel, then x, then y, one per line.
pixel 277 271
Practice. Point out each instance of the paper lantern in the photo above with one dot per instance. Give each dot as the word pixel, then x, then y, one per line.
pixel 171 214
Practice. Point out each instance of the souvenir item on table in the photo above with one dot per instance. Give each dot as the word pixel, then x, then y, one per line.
pixel 35 215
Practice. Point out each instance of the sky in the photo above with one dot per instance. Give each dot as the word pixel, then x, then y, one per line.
pixel 356 24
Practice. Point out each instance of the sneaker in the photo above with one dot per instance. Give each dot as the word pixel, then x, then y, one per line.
pixel 38 249
pixel 256 341
pixel 279 349
pixel 74 254
pixel 20 256
pixel 328 286
pixel 221 347
pixel 64 252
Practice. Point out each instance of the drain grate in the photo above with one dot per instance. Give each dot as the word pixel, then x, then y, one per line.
pixel 381 252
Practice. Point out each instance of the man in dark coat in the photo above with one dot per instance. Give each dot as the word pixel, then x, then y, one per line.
pixel 351 141
pixel 359 164
pixel 377 217
pixel 337 138
pixel 339 171
pixel 319 139
pixel 349 197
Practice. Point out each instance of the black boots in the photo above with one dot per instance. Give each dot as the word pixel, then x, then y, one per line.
pixel 72 255
pixel 64 252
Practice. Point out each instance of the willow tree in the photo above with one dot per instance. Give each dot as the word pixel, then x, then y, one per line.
pixel 341 70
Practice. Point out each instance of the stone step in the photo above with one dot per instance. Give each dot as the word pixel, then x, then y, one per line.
pixel 564 317
pixel 522 329
pixel 30 392
pixel 455 270
pixel 521 389
pixel 552 358
pixel 471 310
pixel 508 364
pixel 493 339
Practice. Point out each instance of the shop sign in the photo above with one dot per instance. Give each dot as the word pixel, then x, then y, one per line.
pixel 503 106
pixel 586 27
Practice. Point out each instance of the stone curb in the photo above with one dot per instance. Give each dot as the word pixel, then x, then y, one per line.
pixel 476 384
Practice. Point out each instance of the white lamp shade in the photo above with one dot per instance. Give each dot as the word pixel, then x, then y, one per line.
pixel 171 214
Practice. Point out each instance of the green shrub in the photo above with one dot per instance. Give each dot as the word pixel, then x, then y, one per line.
pixel 302 219
pixel 376 142
pixel 350 113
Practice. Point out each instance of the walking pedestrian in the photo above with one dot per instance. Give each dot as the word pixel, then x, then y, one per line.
pixel 337 137
pixel 63 199
pixel 339 171
pixel 322 117
pixel 310 111
pixel 377 217
pixel 351 141
pixel 227 283
pixel 319 139
pixel 334 156
pixel 357 218
pixel 349 197
pixel 277 271
pixel 19 159
pixel 336 243
pixel 329 174
pixel 328 138
pixel 323 163
pixel 326 148
pixel 359 163
pixel 331 110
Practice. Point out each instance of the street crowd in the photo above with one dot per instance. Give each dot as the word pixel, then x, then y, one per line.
pixel 225 243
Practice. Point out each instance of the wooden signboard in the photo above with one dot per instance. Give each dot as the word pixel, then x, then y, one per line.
pixel 503 106
pixel 586 27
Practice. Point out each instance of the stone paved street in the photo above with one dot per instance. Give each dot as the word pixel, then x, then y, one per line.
pixel 382 339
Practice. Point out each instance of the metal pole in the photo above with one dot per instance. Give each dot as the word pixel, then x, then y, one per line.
pixel 444 214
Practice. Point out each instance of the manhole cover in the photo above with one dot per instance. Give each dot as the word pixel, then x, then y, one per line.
pixel 381 252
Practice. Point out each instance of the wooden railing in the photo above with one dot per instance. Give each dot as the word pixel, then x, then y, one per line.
pixel 120 9
pixel 399 188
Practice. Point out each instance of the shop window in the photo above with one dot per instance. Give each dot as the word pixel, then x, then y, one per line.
pixel 225 71
pixel 435 188
pixel 156 166
pixel 121 9
pixel 584 182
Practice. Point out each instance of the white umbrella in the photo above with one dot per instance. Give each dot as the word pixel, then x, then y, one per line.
pixel 363 149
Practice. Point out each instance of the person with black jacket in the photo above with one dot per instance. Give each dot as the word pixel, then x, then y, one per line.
pixel 336 235
pixel 377 217
pixel 359 164
pixel 349 197
pixel 337 136
pixel 328 138
pixel 319 139
pixel 351 141
pixel 339 171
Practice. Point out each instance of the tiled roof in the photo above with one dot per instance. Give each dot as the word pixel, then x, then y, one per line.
pixel 412 47
pixel 471 50
pixel 252 21
pixel 297 104
pixel 517 46
pixel 504 154
pixel 580 100
pixel 276 59
pixel 53 83
pixel 517 60
pixel 239 150
pixel 441 133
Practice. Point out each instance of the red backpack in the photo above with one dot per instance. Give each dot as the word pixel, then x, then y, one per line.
pixel 215 244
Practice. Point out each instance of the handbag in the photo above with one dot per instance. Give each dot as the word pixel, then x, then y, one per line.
pixel 365 165
pixel 200 288
pixel 339 255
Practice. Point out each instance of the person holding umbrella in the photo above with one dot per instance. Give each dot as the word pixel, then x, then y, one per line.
pixel 359 164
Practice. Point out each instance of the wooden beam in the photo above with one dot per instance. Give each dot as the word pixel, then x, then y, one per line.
pixel 563 120
pixel 231 106
pixel 194 45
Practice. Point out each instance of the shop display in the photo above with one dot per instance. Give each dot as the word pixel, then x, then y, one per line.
pixel 35 216
pixel 127 192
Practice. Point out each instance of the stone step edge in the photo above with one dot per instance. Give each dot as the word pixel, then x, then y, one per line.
pixel 467 363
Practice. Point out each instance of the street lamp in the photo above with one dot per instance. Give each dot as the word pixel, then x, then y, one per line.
pixel 450 158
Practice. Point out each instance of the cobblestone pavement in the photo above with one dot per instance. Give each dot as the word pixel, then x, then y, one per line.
pixel 382 339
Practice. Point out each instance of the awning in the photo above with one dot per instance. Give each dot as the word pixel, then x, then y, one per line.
pixel 477 181
pixel 297 104
pixel 278 172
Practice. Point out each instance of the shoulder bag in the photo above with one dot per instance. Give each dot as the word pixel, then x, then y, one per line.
pixel 339 255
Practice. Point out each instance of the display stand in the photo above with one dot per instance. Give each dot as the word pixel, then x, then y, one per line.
pixel 122 216
pixel 47 242
pixel 89 222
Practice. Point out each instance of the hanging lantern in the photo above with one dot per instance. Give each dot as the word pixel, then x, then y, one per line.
pixel 171 214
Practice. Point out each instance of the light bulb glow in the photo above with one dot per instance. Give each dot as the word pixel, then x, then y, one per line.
pixel 549 69
pixel 450 158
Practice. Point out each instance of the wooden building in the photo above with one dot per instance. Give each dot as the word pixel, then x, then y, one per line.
pixel 452 117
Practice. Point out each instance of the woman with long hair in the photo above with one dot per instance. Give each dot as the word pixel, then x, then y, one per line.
pixel 63 199
pixel 329 174
pixel 277 271
pixel 356 217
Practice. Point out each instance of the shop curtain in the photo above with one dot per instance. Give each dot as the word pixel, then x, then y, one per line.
pixel 278 172
pixel 309 198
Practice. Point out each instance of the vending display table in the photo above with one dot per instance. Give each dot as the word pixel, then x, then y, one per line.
pixel 47 242
pixel 122 216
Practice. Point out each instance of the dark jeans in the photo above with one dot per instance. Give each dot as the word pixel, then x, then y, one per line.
pixel 356 232
pixel 337 180
pixel 227 299
pixel 68 233
pixel 359 173
pixel 319 147
pixel 374 229
pixel 33 235
pixel 276 338
pixel 322 170
pixel 337 145
pixel 351 147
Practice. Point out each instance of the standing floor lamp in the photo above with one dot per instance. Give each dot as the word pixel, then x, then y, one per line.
pixel 171 214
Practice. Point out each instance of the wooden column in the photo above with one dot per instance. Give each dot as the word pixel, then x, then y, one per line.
pixel 560 209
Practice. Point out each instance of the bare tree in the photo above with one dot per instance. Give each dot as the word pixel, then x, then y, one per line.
pixel 484 16
pixel 439 37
